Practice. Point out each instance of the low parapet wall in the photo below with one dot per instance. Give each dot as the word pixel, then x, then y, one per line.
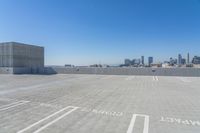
pixel 189 72
pixel 186 72
pixel 22 70
pixel 6 70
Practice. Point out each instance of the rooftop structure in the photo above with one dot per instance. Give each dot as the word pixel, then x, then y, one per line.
pixel 27 58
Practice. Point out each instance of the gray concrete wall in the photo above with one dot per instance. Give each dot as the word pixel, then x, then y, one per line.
pixel 186 72
pixel 13 54
pixel 190 72
pixel 23 70
pixel 6 70
pixel 18 58
pixel 6 58
pixel 28 56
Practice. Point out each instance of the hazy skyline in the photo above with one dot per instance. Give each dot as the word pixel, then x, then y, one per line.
pixel 84 32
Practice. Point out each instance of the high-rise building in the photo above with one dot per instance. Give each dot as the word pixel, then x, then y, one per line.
pixel 183 61
pixel 127 62
pixel 150 60
pixel 188 58
pixel 179 59
pixel 136 62
pixel 142 60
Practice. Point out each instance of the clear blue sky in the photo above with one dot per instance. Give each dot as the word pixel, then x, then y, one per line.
pixel 83 32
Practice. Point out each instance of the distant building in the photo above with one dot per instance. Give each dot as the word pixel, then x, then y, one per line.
pixel 183 61
pixel 188 58
pixel 179 59
pixel 196 60
pixel 135 62
pixel 96 65
pixel 127 62
pixel 142 60
pixel 165 64
pixel 150 60
pixel 172 61
pixel 69 65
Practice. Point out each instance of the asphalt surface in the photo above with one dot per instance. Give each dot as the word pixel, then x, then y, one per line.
pixel 99 104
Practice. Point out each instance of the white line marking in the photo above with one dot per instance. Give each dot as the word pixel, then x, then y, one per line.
pixel 180 121
pixel 54 121
pixel 48 117
pixel 130 78
pixel 155 78
pixel 132 123
pixel 3 106
pixel 107 77
pixel 12 105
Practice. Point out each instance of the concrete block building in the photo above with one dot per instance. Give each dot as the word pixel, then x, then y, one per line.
pixel 18 58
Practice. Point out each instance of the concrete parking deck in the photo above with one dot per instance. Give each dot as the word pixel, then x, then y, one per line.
pixel 99 104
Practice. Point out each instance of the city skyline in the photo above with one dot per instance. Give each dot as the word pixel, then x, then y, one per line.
pixel 106 32
pixel 145 60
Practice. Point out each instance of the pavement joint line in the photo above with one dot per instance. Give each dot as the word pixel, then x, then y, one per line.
pixel 48 117
pixel 5 99
pixel 12 105
pixel 132 123
pixel 184 80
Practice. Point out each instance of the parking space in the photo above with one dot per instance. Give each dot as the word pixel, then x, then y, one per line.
pixel 99 103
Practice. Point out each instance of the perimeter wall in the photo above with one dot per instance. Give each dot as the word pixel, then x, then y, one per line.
pixel 186 72
pixel 189 72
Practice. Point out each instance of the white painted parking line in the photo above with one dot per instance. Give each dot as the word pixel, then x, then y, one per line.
pixel 132 123
pixel 130 78
pixel 180 121
pixel 48 117
pixel 107 77
pixel 155 78
pixel 102 112
pixel 3 106
pixel 12 105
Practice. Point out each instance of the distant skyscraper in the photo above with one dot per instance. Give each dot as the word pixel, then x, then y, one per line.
pixel 188 58
pixel 150 60
pixel 127 62
pixel 136 62
pixel 142 60
pixel 179 59
pixel 183 61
